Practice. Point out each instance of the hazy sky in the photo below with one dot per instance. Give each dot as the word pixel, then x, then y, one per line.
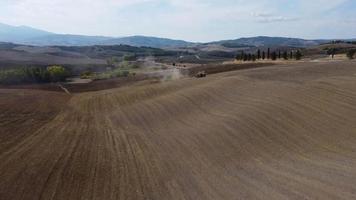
pixel 194 20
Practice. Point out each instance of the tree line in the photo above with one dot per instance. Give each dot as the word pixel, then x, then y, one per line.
pixel 34 75
pixel 341 41
pixel 274 55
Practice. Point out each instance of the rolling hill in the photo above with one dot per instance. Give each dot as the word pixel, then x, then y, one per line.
pixel 280 132
pixel 269 41
pixel 77 57
pixel 31 36
pixel 19 34
pixel 147 41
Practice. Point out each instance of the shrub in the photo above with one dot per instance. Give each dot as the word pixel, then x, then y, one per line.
pixel 122 73
pixel 298 55
pixel 350 54
pixel 129 65
pixel 253 57
pixel 240 56
pixel 24 75
pixel 86 74
pixel 11 76
pixel 130 57
pixel 245 57
pixel 331 51
pixel 117 73
pixel 125 73
pixel 33 75
pixel 36 74
pixel 57 73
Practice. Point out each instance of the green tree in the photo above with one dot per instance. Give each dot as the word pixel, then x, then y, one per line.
pixel 331 52
pixel 291 55
pixel 130 57
pixel 298 55
pixel 242 55
pixel 238 57
pixel 33 75
pixel 268 53
pixel 57 73
pixel 279 54
pixel 285 55
pixel 351 53
pixel 274 56
pixel 245 57
pixel 263 55
pixel 259 54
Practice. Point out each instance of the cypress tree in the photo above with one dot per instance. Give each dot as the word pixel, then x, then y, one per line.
pixel 237 57
pixel 291 55
pixel 263 55
pixel 274 56
pixel 259 54
pixel 279 54
pixel 253 57
pixel 245 57
pixel 285 55
pixel 333 52
pixel 242 55
pixel 298 55
pixel 268 53
pixel 249 57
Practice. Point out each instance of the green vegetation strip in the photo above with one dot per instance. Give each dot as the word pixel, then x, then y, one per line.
pixel 34 75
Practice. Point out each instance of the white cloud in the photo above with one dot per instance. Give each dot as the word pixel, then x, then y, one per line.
pixel 269 18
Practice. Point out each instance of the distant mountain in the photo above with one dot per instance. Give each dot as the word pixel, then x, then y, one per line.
pixel 269 41
pixel 65 40
pixel 147 41
pixel 80 40
pixel 18 34
pixel 30 36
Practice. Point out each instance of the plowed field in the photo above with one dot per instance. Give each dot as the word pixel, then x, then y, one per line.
pixel 279 132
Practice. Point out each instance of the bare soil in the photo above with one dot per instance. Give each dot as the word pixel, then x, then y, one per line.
pixel 277 132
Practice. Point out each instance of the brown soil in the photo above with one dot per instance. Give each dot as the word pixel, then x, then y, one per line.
pixel 218 68
pixel 81 87
pixel 280 132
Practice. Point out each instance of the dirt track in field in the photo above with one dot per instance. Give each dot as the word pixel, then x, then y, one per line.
pixel 281 132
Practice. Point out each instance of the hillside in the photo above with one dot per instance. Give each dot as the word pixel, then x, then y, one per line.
pixel 65 40
pixel 31 36
pixel 19 34
pixel 281 132
pixel 147 42
pixel 78 58
pixel 269 41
